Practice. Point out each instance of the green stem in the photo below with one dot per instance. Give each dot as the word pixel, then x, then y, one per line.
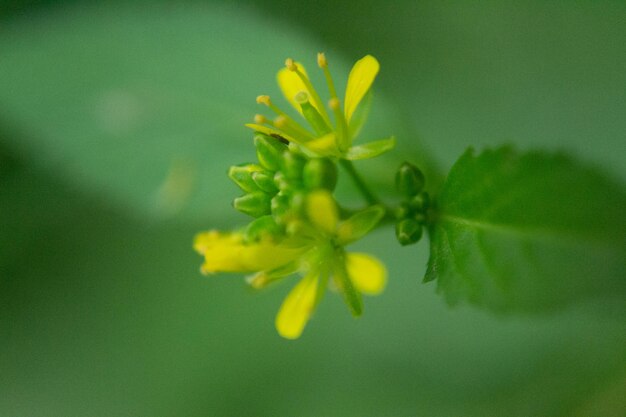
pixel 369 196
pixel 358 181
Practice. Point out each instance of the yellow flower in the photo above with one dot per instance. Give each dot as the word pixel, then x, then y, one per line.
pixel 314 247
pixel 352 273
pixel 227 252
pixel 329 138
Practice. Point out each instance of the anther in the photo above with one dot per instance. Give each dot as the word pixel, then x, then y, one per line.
pixel 280 121
pixel 334 103
pixel 263 100
pixel 260 119
pixel 291 65
pixel 321 60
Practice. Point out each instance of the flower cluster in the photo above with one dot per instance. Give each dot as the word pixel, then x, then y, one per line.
pixel 298 227
pixel 324 138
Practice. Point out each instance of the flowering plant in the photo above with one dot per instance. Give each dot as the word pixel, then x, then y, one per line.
pixel 299 227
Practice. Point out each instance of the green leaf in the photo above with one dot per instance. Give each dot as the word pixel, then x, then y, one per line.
pixel 371 149
pixel 527 232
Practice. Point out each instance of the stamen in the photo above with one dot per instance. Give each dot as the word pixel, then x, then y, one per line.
pixel 321 60
pixel 343 137
pixel 280 122
pixel 260 119
pixel 263 100
pixel 334 103
pixel 323 63
pixel 291 128
pixel 291 65
pixel 295 125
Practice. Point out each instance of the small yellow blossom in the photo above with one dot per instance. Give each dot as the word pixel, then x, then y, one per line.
pixel 314 248
pixel 227 252
pixel 325 136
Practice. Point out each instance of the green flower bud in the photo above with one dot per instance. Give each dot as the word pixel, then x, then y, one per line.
pixel 420 202
pixel 242 176
pixel 403 211
pixel 298 199
pixel 293 164
pixel 264 226
pixel 420 217
pixel 254 204
pixel 269 151
pixel 409 179
pixel 265 182
pixel 320 173
pixel 408 231
pixel 281 181
pixel 280 205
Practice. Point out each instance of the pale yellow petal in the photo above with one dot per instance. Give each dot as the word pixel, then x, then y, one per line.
pixel 269 131
pixel 360 80
pixel 323 146
pixel 322 210
pixel 226 252
pixel 205 241
pixel 297 308
pixel 367 273
pixel 266 255
pixel 291 84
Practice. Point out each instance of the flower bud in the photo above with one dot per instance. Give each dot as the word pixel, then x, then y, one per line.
pixel 293 164
pixel 320 173
pixel 254 204
pixel 265 182
pixel 297 202
pixel 420 217
pixel 264 226
pixel 403 211
pixel 242 176
pixel 420 202
pixel 280 180
pixel 408 231
pixel 269 151
pixel 280 205
pixel 409 179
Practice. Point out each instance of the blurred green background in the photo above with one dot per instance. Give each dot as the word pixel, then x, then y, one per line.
pixel 117 124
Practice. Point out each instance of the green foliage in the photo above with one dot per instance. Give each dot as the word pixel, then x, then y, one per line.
pixel 101 299
pixel 527 232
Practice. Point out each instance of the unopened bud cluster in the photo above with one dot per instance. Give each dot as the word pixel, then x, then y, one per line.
pixel 276 188
pixel 411 215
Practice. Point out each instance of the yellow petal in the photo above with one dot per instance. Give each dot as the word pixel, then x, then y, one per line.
pixel 367 273
pixel 226 252
pixel 205 241
pixel 269 131
pixel 322 210
pixel 297 308
pixel 323 146
pixel 267 255
pixel 291 84
pixel 360 80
